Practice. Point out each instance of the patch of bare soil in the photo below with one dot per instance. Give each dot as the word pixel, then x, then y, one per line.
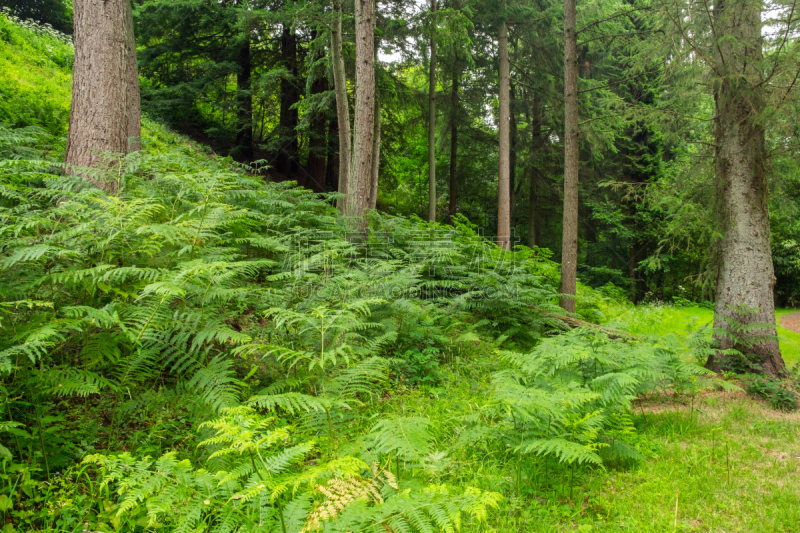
pixel 791 322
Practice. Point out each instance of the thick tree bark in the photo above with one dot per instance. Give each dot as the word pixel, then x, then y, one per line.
pixel 244 103
pixel 569 243
pixel 287 122
pixel 98 122
pixel 432 120
pixel 453 189
pixel 358 189
pixel 342 106
pixel 503 181
pixel 745 277
pixel 134 102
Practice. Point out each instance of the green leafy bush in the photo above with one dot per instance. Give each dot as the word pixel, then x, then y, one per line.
pixel 775 391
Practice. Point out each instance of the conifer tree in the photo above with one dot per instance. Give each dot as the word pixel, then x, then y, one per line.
pixel 358 190
pixel 105 109
pixel 569 243
pixel 504 141
pixel 432 120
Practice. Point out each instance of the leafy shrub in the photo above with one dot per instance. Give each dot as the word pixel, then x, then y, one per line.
pixel 571 396
pixel 774 390
pixel 419 367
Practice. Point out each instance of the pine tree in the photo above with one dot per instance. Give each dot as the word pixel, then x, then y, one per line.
pixel 104 94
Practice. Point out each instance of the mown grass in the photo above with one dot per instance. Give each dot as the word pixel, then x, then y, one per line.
pixel 679 321
pixel 731 463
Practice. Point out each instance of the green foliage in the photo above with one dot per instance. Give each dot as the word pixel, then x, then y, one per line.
pixel 35 86
pixel 56 14
pixel 571 396
pixel 774 390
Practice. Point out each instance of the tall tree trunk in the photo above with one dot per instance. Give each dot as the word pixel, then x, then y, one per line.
pixel 290 95
pixel 358 189
pixel 98 119
pixel 244 104
pixel 376 145
pixel 569 243
pixel 745 277
pixel 534 212
pixel 342 106
pixel 134 107
pixel 432 120
pixel 453 189
pixel 503 181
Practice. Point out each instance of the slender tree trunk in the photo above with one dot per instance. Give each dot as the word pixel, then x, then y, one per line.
pixel 342 106
pixel 432 121
pixel 453 192
pixel 358 190
pixel 290 95
pixel 98 120
pixel 745 277
pixel 376 146
pixel 569 243
pixel 244 104
pixel 132 91
pixel 503 181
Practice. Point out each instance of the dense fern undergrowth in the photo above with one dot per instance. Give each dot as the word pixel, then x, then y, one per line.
pixel 204 351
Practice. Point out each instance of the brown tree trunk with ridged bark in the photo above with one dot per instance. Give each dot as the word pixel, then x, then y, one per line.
pixel 432 120
pixel 745 276
pixel 342 106
pixel 569 243
pixel 358 189
pixel 99 121
pixel 504 171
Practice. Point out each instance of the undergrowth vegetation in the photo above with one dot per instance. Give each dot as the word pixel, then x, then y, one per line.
pixel 204 351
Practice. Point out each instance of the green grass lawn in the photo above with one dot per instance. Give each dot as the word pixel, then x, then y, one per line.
pixel 669 320
pixel 729 462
